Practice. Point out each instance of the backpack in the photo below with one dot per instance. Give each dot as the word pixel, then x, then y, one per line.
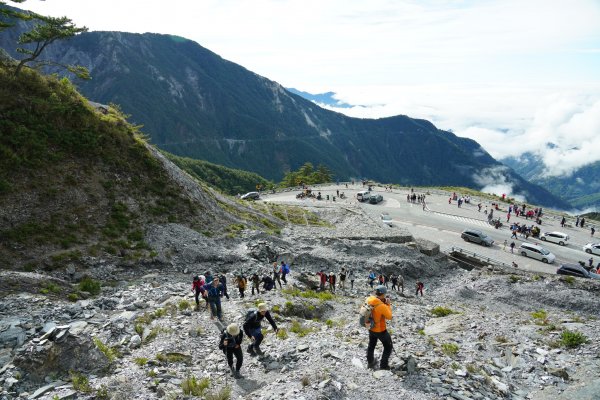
pixel 250 315
pixel 365 315
pixel 286 269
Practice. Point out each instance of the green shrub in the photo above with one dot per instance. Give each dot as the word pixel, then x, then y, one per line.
pixel 184 305
pixel 305 381
pixel 514 279
pixel 441 311
pixel 194 387
pixel 329 323
pixel 110 352
pixel 89 285
pixel 223 394
pixel 80 382
pixel 540 317
pixel 501 339
pixel 569 280
pixel 299 329
pixel 572 339
pixel 450 349
pixel 141 361
pixel 73 297
pixel 282 334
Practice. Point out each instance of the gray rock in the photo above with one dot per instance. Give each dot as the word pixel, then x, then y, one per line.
pixel 382 373
pixel 135 341
pixel 45 389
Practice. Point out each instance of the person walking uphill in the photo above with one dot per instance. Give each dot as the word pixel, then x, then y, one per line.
pixel 382 311
pixel 214 291
pixel 252 328
pixel 198 290
pixel 231 344
pixel 277 274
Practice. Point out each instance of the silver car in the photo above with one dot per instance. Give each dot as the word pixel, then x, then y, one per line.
pixel 537 252
pixel 555 237
pixel 592 248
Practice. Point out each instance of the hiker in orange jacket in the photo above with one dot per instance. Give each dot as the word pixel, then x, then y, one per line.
pixel 382 311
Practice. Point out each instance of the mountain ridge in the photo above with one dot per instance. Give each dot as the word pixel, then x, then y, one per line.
pixel 193 103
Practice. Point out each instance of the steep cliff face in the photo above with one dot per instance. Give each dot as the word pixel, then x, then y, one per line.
pixel 194 103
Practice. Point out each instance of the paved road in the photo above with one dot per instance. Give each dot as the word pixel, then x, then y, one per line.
pixel 442 223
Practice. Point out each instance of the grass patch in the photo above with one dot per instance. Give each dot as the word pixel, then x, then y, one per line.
pixel 514 278
pixel 90 285
pixel 572 339
pixel 141 361
pixel 305 381
pixel 501 339
pixel 540 317
pixel 110 352
pixel 191 386
pixel 184 305
pixel 299 329
pixel 50 287
pixel 450 349
pixel 442 311
pixel 309 294
pixel 173 358
pixel 569 280
pixel 72 297
pixel 80 382
pixel 282 334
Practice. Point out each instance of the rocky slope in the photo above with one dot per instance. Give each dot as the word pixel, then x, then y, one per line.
pixel 501 338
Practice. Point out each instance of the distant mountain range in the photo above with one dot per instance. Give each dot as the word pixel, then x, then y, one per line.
pixel 581 188
pixel 193 103
pixel 326 99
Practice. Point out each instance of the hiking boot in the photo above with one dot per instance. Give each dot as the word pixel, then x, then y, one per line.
pixel 237 375
pixel 386 367
pixel 233 371
pixel 259 351
pixel 251 350
pixel 371 365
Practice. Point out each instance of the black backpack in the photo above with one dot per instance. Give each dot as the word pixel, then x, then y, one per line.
pixel 251 314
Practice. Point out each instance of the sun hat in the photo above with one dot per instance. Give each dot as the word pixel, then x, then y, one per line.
pixel 233 329
pixel 262 307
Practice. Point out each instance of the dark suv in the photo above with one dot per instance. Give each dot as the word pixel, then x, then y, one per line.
pixel 475 236
pixel 576 270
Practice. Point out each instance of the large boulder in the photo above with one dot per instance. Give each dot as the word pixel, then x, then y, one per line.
pixel 72 353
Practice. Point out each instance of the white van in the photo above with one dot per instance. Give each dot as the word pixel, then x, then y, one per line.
pixel 363 196
pixel 537 252
pixel 555 237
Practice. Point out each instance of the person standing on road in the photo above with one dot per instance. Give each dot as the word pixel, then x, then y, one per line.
pixel 512 247
pixel 591 262
pixel 582 222
pixel 563 221
pixel 382 311
pixel 504 245
pixel 592 231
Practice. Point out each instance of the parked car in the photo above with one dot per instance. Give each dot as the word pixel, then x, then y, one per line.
pixel 576 270
pixel 537 252
pixel 386 219
pixel 363 196
pixel 250 196
pixel 375 199
pixel 475 236
pixel 555 237
pixel 592 248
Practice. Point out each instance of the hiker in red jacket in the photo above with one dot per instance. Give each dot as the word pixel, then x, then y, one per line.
pixel 332 282
pixel 198 290
pixel 323 279
pixel 420 287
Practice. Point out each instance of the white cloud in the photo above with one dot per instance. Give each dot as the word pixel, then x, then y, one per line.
pixel 494 180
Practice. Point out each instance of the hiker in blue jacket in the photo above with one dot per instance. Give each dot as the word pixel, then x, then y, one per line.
pixel 252 328
pixel 214 292
pixel 285 269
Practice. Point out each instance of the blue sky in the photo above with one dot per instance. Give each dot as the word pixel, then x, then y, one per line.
pixel 499 71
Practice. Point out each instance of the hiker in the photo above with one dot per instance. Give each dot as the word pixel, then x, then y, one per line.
pixel 285 269
pixel 420 287
pixel 332 282
pixel 351 277
pixel 268 283
pixel 223 280
pixel 276 275
pixel 382 311
pixel 255 279
pixel 253 330
pixel 241 283
pixel 214 291
pixel 582 222
pixel 401 283
pixel 208 278
pixel 230 343
pixel 198 290
pixel 591 262
pixel 371 278
pixel 592 231
pixel 563 221
pixel 342 278
pixel 322 279
pixel 504 245
pixel 512 247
